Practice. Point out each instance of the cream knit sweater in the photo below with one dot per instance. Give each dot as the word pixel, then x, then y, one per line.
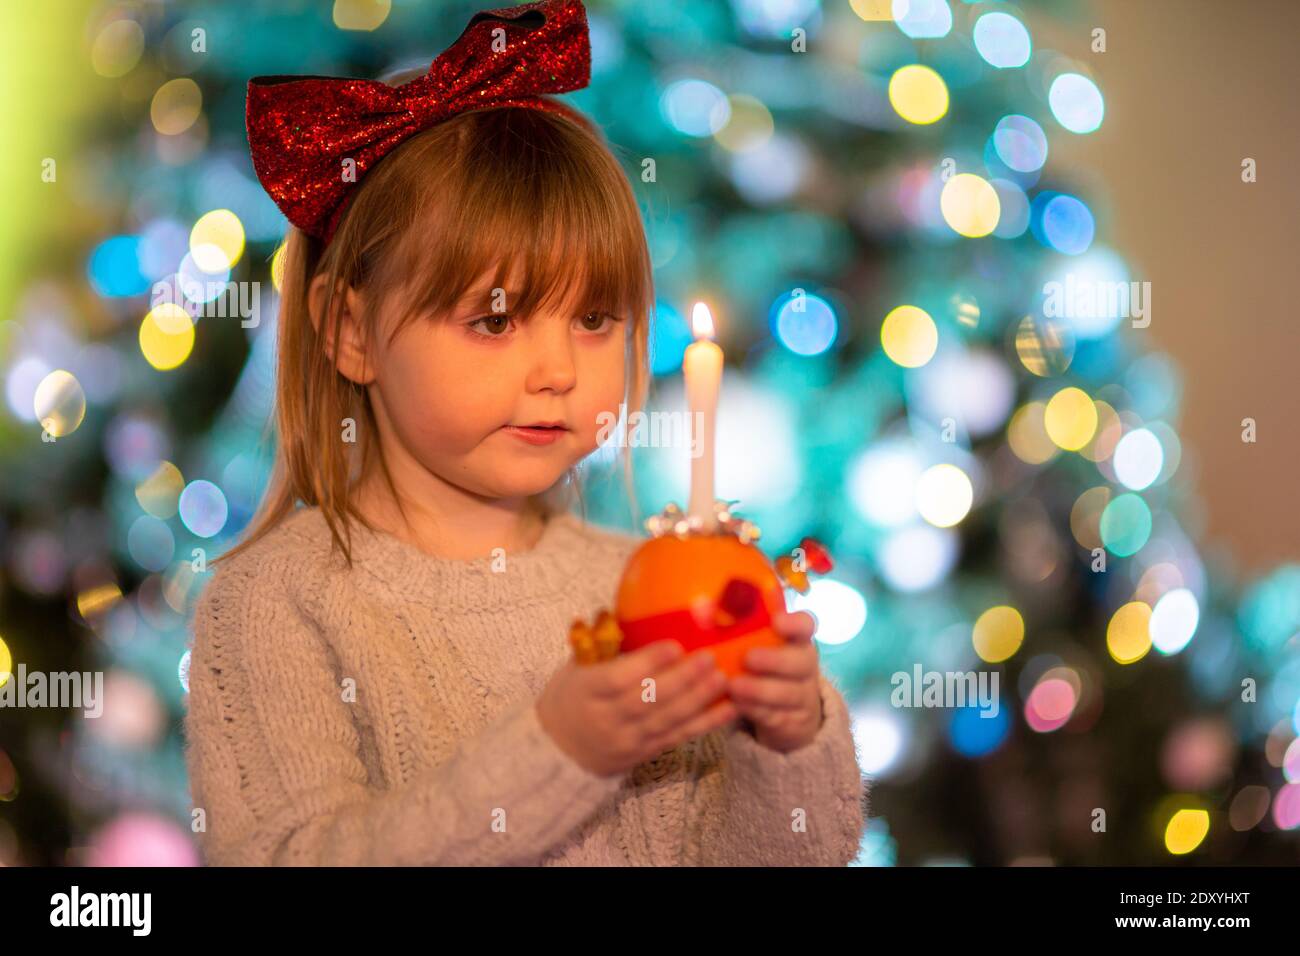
pixel 384 716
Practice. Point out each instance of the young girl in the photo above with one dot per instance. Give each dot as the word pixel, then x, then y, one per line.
pixel 380 671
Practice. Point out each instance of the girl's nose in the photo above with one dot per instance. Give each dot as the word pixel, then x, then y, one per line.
pixel 552 364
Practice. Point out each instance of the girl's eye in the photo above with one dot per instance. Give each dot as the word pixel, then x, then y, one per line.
pixel 498 323
pixel 598 318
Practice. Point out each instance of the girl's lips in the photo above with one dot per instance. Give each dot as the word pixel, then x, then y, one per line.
pixel 535 436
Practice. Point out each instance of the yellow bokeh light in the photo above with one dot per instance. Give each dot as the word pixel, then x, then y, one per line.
pixel 909 336
pixel 944 495
pixel 1085 516
pixel 970 205
pixel 361 14
pixel 94 601
pixel 998 633
pixel 918 94
pixel 1044 345
pixel 1128 635
pixel 748 126
pixel 217 241
pixel 1027 435
pixel 873 10
pixel 176 105
pixel 1070 418
pixel 277 266
pixel 59 403
pixel 1186 830
pixel 117 48
pixel 166 336
pixel 965 309
pixel 161 491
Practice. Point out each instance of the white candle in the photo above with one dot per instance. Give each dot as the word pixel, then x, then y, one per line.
pixel 702 369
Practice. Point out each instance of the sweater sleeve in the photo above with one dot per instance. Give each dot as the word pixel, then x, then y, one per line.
pixel 754 806
pixel 273 751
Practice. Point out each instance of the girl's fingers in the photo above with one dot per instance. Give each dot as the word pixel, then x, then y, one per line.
pixel 626 671
pixel 680 704
pixel 797 627
pixel 719 715
pixel 789 661
pixel 767 691
pixel 759 713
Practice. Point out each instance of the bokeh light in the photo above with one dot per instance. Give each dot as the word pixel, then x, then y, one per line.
pixel 1045 345
pixel 998 634
pixel 975 731
pixel 917 557
pixel 1186 830
pixel 806 324
pixel 217 240
pixel 879 739
pixel 1050 705
pixel 158 494
pixel 117 48
pixel 1085 516
pixel 922 19
pixel 1063 223
pixel 909 336
pixel 1076 103
pixel 166 336
pixel 1128 635
pixel 114 267
pixel 969 205
pixel 944 495
pixel 882 483
pixel 1020 143
pixel 918 94
pixel 1070 418
pixel 1027 434
pixel 695 107
pixel 361 15
pixel 176 105
pixel 1125 525
pixel 1002 40
pixel 59 403
pixel 749 124
pixel 1138 459
pixel 840 610
pixel 203 508
pixel 1174 620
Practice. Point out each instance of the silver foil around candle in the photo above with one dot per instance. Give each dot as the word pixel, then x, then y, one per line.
pixel 672 520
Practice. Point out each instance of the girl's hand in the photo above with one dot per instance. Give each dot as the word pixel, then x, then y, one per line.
pixel 781 695
pixel 600 715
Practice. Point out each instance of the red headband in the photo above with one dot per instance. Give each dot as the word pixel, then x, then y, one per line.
pixel 302 129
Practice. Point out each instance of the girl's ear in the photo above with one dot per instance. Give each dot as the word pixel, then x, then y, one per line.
pixel 349 353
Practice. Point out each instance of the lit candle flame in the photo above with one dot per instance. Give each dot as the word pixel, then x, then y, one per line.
pixel 702 321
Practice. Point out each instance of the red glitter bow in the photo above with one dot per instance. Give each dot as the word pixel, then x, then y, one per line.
pixel 303 129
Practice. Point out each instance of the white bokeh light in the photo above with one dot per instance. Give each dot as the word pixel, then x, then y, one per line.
pixel 841 611
pixel 1174 621
pixel 879 736
pixel 917 557
pixel 1139 459
pixel 882 483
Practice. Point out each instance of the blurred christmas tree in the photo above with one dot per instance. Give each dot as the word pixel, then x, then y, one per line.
pixel 930 366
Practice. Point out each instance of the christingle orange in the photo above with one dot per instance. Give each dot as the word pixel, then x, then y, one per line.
pixel 714 590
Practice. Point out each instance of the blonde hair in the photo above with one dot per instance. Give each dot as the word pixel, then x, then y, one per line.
pixel 486 186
